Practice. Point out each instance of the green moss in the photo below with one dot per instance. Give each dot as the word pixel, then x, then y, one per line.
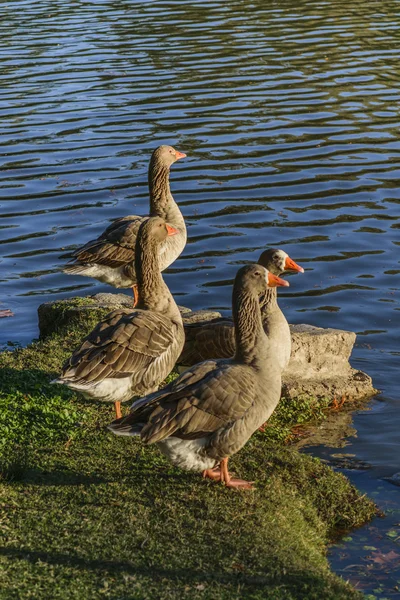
pixel 59 317
pixel 39 360
pixel 91 515
pixel 337 503
pixel 293 412
pixel 76 301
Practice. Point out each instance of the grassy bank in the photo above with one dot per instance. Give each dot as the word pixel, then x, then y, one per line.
pixel 89 515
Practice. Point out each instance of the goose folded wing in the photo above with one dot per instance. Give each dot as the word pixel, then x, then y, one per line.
pixel 210 398
pixel 121 345
pixel 206 340
pixel 116 245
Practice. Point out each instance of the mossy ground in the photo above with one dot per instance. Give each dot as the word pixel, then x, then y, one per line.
pixel 88 515
pixel 58 316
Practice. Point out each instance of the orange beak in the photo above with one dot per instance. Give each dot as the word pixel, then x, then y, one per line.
pixel 171 230
pixel 290 265
pixel 179 155
pixel 274 281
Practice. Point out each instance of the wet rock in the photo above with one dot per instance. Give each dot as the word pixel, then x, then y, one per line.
pixel 319 365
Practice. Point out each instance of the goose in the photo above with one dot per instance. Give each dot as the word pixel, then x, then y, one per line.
pixel 110 257
pixel 208 414
pixel 131 351
pixel 216 338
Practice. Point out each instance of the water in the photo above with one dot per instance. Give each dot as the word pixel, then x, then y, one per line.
pixel 289 115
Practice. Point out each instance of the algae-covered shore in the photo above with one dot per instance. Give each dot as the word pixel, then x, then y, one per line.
pixel 89 515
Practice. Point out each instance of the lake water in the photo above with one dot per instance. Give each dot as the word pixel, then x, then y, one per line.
pixel 289 114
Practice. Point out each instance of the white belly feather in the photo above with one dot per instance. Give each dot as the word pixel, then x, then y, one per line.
pixel 108 390
pixel 105 274
pixel 187 454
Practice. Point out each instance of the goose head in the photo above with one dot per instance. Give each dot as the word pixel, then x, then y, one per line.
pixel 166 155
pixel 156 230
pixel 254 279
pixel 277 262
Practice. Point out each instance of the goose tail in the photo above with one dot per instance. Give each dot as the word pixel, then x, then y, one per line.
pixel 126 426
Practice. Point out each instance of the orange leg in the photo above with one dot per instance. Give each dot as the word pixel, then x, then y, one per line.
pixel 135 294
pixel 233 483
pixel 214 474
pixel 118 412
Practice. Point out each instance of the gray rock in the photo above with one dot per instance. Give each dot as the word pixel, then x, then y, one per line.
pixel 317 352
pixel 112 301
pixel 198 316
pixel 355 386
pixel 319 365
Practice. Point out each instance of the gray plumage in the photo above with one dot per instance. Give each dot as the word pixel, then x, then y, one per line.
pixel 110 258
pixel 212 409
pixel 131 351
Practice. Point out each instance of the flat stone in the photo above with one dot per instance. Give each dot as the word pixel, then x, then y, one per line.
pixel 112 301
pixel 318 352
pixel 355 385
pixel 199 316
pixel 319 365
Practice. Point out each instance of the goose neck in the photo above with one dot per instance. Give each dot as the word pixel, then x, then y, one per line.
pixel 269 302
pixel 153 292
pixel 251 341
pixel 160 193
pixel 149 279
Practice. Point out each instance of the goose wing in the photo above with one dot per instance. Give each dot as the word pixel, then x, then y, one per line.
pixel 124 343
pixel 203 341
pixel 115 247
pixel 210 396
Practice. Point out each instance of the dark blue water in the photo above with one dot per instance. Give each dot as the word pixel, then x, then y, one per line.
pixel 289 114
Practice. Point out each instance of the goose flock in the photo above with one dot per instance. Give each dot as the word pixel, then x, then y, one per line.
pixel 232 383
